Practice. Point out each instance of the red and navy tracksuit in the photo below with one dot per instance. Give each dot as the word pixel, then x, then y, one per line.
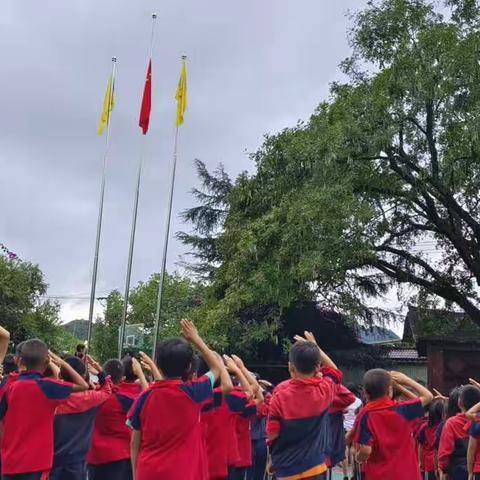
pixel 27 408
pixel 298 424
pixel 386 426
pixel 167 416
pixel 452 452
pixel 426 438
pixel 73 430
pixel 109 456
pixel 336 436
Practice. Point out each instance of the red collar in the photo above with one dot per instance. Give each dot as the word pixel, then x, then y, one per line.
pixel 167 383
pixel 380 404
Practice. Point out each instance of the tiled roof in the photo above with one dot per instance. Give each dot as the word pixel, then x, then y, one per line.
pixel 404 355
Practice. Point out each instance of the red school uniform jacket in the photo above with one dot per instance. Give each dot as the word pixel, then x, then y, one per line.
pixel 168 417
pixel 298 422
pixel 74 422
pixel 218 419
pixel 28 409
pixel 452 452
pixel 386 426
pixel 426 438
pixel 111 436
pixel 243 424
pixel 475 433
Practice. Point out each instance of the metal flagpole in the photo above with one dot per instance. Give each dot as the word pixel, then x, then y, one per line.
pixel 100 211
pixel 165 248
pixel 134 222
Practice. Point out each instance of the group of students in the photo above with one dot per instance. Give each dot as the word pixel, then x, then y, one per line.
pixel 206 417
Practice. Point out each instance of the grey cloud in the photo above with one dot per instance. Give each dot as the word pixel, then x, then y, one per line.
pixel 254 67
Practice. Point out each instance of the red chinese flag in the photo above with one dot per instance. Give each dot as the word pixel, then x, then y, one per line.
pixel 146 101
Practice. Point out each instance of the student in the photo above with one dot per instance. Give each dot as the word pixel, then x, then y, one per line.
pixel 73 426
pixel 337 446
pixel 109 456
pixel 28 409
pixel 473 453
pixel 167 438
pixel 452 452
pixel 426 439
pixel 243 421
pixel 350 414
pixel 259 435
pixel 217 425
pixel 298 414
pixel 384 436
pixel 451 409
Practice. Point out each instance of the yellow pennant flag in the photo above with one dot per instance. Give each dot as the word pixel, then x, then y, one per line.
pixel 108 104
pixel 181 95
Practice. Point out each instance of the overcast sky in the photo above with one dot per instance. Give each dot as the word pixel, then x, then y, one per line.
pixel 255 67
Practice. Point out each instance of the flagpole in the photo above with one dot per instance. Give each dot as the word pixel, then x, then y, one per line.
pixel 100 211
pixel 165 247
pixel 134 220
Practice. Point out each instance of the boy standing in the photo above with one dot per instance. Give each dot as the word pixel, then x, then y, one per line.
pixel 452 452
pixel 28 409
pixel 109 456
pixel 298 415
pixel 167 440
pixel 73 426
pixel 384 435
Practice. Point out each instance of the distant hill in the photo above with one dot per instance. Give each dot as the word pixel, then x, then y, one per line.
pixel 78 328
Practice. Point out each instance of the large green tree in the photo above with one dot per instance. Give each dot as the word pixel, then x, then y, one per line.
pixel 380 188
pixel 23 312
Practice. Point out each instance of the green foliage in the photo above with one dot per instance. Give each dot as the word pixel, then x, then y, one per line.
pixel 105 333
pixel 22 311
pixel 181 297
pixel 342 207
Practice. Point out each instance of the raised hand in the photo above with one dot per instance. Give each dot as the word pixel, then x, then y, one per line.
pixel 232 367
pixel 189 331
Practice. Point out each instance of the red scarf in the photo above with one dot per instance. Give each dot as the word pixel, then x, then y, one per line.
pixel 380 404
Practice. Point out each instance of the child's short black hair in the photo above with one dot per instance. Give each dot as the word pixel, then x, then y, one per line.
pixel 469 396
pixel 435 412
pixel 9 365
pixel 305 357
pixel 114 369
pixel 77 364
pixel 130 377
pixel 376 383
pixel 452 405
pixel 34 354
pixel 174 357
pixel 355 389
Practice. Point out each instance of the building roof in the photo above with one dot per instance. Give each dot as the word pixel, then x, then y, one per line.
pixel 404 354
pixel 376 336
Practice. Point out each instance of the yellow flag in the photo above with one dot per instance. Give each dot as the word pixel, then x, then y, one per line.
pixel 181 95
pixel 108 104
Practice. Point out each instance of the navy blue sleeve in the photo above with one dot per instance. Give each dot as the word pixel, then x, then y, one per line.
pixel 200 390
pixel 410 410
pixel 236 403
pixel 364 436
pixel 421 436
pixel 475 430
pixel 133 417
pixel 54 390
pixel 125 402
pixel 438 435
